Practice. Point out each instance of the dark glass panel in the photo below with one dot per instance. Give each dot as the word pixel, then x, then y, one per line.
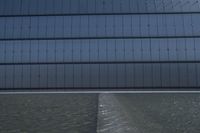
pixel 26 7
pixel 112 75
pixel 58 6
pixel 184 74
pixel 95 75
pixel 75 6
pixel 99 26
pixel 7 7
pixel 190 49
pixel 120 50
pixel 174 74
pixel 165 74
pixel 2 51
pixel 125 6
pixel 42 53
pixel 94 50
pixel 9 55
pixel 33 6
pixel 130 80
pixel 60 50
pixel 195 24
pixel 153 25
pixel 42 6
pixel 137 50
pixel 147 70
pixel 103 75
pixel 90 5
pixel 69 75
pixel 197 48
pixel 102 50
pixel 121 75
pixel 139 75
pixel 60 75
pixel 77 50
pixel 85 75
pixel 110 27
pixel 17 71
pixel 85 50
pixel 156 75
pixel 146 50
pixel 17 51
pixel 45 27
pixel 198 74
pixel 2 76
pixel 77 75
pixel 68 49
pixel 51 55
pixel 34 51
pixel 127 24
pixel 9 76
pixel 142 6
pixel 155 47
pixel 52 76
pixel 164 53
pixel 173 54
pixel 44 76
pixel 35 76
pixel 128 47
pixel 181 43
pixel 192 75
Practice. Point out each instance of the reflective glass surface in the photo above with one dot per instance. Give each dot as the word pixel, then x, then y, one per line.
pixel 100 26
pixel 99 44
pixel 38 7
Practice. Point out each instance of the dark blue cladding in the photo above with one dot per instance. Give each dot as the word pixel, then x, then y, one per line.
pixel 99 44
pixel 100 26
pixel 100 50
pixel 41 7
pixel 94 76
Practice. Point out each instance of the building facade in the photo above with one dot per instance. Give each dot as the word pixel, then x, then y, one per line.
pixel 99 44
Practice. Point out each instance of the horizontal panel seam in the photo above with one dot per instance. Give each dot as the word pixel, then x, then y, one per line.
pixel 97 14
pixel 95 38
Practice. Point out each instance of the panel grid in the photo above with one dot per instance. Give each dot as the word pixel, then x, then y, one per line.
pixel 99 44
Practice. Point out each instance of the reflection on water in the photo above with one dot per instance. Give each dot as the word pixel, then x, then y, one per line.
pixel 166 113
pixel 103 113
pixel 149 113
pixel 52 113
pixel 112 118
